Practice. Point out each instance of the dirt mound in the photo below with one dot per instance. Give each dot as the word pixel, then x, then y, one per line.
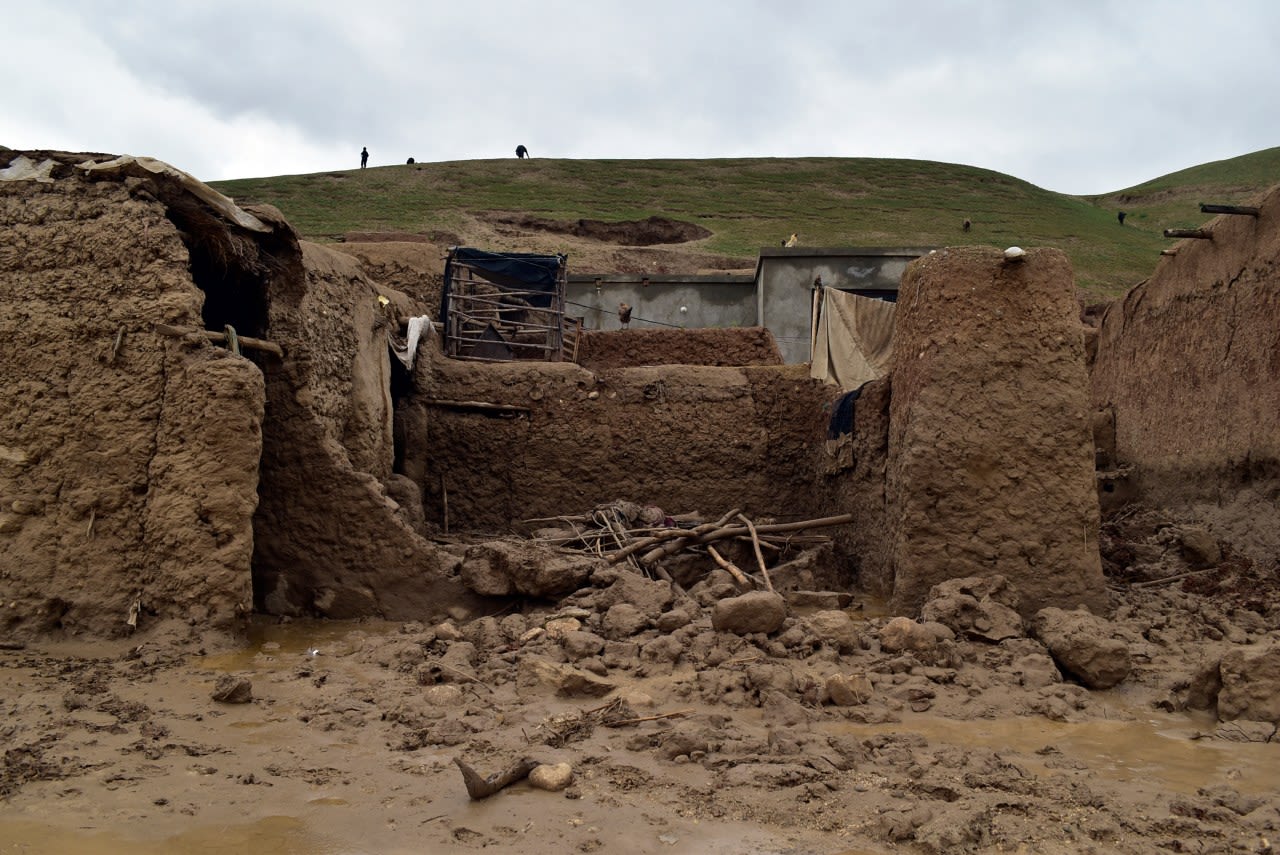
pixel 647 232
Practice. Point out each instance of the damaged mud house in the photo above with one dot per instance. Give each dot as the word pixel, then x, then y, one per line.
pixel 206 417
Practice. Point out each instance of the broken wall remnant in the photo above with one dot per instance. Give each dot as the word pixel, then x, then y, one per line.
pixel 852 465
pixel 557 439
pixel 331 539
pixel 990 459
pixel 1189 362
pixel 134 453
pixel 128 459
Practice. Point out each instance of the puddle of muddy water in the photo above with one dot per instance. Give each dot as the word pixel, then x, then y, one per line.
pixel 1160 750
pixel 273 835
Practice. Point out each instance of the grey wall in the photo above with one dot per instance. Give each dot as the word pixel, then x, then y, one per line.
pixel 710 301
pixel 785 279
pixel 778 296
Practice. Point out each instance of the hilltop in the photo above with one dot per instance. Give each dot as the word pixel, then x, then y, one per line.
pixel 744 204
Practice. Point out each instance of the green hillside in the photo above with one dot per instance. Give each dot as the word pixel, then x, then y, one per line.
pixel 751 203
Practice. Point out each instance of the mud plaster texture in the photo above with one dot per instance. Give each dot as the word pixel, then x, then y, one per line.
pixel 1188 367
pixel 630 348
pixel 330 539
pixel 128 460
pixel 852 471
pixel 683 437
pixel 991 464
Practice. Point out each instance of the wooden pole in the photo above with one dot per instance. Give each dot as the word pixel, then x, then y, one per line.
pixel 755 542
pixel 738 531
pixel 693 536
pixel 1228 209
pixel 730 567
pixel 1198 234
pixel 475 405
pixel 215 336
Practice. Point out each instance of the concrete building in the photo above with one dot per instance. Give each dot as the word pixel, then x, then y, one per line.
pixel 777 296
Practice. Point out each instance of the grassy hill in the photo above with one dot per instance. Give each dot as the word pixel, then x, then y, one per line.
pixel 753 203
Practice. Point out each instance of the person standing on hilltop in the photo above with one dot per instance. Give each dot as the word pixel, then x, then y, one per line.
pixel 364 157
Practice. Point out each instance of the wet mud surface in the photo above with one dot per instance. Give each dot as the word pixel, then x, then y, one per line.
pixel 680 738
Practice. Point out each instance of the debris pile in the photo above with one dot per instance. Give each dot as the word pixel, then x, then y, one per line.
pixel 645 537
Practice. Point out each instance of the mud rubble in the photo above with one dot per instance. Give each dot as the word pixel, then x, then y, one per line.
pixel 177 518
pixel 718 721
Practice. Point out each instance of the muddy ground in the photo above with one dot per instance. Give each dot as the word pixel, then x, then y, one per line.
pixel 830 734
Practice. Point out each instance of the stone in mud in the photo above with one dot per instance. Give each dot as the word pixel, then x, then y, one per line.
pixel 560 627
pixel 835 629
pixel 443 695
pixel 758 611
pixel 980 607
pixel 848 690
pixel 1250 683
pixel 650 596
pixel 623 621
pixel 674 619
pixel 903 634
pixel 231 689
pixel 1035 671
pixel 1082 645
pixel 581 645
pixel 566 680
pixel 551 777
pixel 507 568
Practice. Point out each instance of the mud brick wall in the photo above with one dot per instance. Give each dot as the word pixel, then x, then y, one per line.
pixel 1189 363
pixel 683 437
pixel 331 538
pixel 990 465
pixel 128 475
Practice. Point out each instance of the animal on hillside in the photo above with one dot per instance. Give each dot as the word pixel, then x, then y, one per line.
pixel 521 151
pixel 791 241
pixel 624 315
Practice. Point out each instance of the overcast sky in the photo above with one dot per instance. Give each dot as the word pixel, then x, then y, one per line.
pixel 1078 96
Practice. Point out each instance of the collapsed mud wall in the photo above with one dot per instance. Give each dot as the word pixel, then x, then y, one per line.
pixel 146 473
pixel 990 467
pixel 128 459
pixel 1188 366
pixel 683 437
pixel 330 538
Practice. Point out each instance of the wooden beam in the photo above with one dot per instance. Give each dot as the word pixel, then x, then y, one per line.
pixel 476 405
pixel 1199 234
pixel 221 337
pixel 1228 209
